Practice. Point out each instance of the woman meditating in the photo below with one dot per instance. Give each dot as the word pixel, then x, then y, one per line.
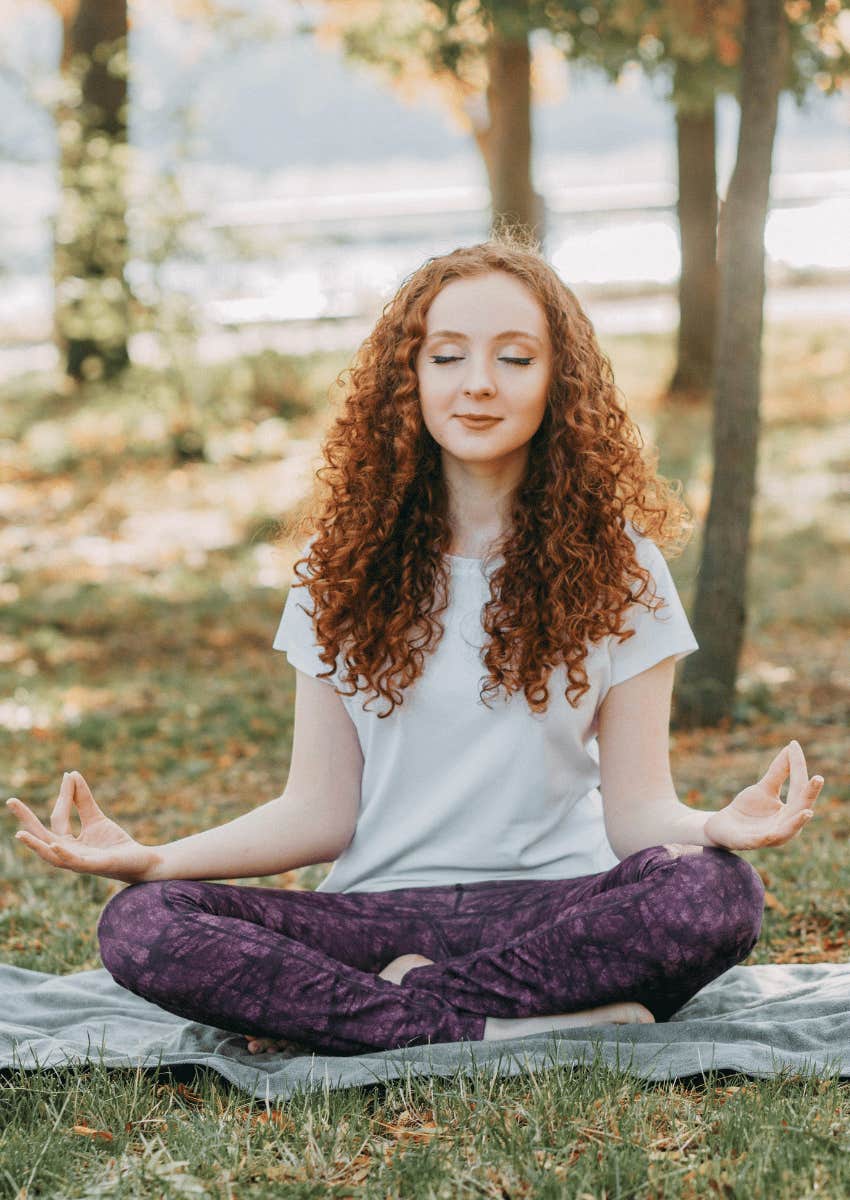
pixel 484 632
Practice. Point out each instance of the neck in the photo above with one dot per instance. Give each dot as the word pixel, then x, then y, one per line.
pixel 479 504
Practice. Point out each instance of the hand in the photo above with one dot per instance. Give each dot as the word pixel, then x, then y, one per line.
pixel 757 816
pixel 102 848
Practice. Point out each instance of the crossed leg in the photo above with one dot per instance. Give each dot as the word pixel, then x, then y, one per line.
pixel 310 966
pixel 654 929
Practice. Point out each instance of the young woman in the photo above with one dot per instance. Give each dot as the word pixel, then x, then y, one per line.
pixel 510 854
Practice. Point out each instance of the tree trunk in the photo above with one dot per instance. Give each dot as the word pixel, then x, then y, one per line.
pixel 707 689
pixel 90 244
pixel 506 143
pixel 697 212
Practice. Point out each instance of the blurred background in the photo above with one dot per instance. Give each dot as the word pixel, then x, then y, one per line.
pixel 203 207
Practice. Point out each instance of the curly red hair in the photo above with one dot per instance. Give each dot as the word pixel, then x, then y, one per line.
pixel 378 514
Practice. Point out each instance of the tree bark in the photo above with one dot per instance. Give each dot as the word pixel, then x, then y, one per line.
pixel 697 212
pixel 707 689
pixel 505 144
pixel 90 243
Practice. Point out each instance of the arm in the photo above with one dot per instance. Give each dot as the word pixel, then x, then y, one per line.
pixel 311 822
pixel 639 798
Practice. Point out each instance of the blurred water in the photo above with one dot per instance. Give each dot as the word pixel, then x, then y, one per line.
pixel 290 256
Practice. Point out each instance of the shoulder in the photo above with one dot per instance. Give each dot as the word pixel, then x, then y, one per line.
pixel 647 552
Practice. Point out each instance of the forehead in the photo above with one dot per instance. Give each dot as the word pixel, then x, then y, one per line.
pixel 486 304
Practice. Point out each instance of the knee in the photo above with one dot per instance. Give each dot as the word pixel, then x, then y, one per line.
pixel 127 924
pixel 730 891
pixel 749 903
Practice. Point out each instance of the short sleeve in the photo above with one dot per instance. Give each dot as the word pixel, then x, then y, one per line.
pixel 658 634
pixel 296 636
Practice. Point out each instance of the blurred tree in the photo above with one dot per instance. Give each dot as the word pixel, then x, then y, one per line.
pixel 706 690
pixel 90 244
pixel 478 59
pixel 87 100
pixel 695 46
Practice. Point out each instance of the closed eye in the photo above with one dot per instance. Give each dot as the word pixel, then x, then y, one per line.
pixel 444 358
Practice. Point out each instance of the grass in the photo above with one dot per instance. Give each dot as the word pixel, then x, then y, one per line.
pixel 138 598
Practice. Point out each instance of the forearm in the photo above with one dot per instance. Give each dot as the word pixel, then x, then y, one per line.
pixel 661 823
pixel 278 836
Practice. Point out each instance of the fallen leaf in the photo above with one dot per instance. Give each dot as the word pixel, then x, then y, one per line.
pixel 87 1131
pixel 771 901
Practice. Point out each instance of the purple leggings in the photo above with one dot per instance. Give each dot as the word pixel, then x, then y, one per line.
pixel 302 965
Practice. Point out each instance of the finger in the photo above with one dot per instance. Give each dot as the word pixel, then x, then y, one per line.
pixel 777 772
pixel 810 793
pixel 84 799
pixel 41 848
pixel 791 829
pixel 27 818
pixel 60 818
pixel 799 775
pixel 75 857
pixel 813 789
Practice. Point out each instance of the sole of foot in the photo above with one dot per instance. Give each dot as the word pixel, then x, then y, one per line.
pixel 396 970
pixel 626 1012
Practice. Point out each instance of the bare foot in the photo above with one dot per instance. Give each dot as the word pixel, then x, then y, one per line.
pixel 626 1012
pixel 396 970
pixel 258 1045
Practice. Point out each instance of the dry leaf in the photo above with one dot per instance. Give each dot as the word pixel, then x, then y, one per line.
pixel 87 1131
pixel 771 901
pixel 274 1116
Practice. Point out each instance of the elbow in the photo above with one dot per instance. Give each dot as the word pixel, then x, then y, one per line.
pixel 343 846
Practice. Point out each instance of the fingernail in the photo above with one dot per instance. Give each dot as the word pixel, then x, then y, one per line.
pixel 817 779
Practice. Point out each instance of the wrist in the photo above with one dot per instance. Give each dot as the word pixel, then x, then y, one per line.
pixel 691 828
pixel 155 869
pixel 710 819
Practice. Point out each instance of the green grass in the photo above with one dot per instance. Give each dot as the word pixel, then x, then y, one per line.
pixel 138 600
pixel 552 1133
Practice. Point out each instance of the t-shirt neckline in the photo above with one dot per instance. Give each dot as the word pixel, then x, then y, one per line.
pixel 460 562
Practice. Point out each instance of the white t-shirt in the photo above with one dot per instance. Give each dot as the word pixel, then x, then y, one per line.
pixel 453 791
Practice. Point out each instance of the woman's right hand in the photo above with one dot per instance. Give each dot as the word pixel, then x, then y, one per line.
pixel 102 847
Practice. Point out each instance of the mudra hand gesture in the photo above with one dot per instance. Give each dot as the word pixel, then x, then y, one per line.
pixel 102 846
pixel 757 816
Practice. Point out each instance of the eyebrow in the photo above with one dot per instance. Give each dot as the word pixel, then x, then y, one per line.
pixel 507 333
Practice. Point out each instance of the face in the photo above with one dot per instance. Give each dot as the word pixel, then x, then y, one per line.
pixel 486 353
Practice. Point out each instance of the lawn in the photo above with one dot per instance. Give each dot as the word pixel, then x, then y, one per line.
pixel 139 594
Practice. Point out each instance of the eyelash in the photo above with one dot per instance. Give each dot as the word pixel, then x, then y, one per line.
pixel 440 359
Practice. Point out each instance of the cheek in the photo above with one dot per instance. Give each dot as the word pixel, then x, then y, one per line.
pixel 435 396
pixel 435 410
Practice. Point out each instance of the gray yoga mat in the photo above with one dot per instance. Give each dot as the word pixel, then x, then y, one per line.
pixel 760 1020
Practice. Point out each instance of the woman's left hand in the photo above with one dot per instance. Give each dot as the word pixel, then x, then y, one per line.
pixel 757 816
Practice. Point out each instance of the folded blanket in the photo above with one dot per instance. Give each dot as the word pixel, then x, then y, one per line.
pixel 760 1020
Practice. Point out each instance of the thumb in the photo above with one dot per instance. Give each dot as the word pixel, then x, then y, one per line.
pixel 779 769
pixel 84 799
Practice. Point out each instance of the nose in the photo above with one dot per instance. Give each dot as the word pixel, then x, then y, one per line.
pixel 478 378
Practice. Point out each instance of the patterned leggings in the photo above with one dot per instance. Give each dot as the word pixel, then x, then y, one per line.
pixel 302 965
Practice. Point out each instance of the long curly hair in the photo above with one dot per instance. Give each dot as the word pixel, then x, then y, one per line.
pixel 378 515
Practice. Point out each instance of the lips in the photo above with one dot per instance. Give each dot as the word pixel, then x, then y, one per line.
pixel 479 422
